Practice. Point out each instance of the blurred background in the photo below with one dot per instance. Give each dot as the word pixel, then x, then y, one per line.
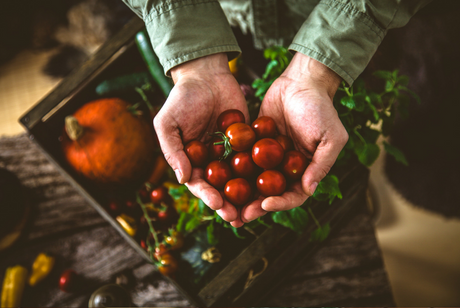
pixel 416 209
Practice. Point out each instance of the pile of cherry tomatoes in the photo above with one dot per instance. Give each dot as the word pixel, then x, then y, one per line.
pixel 246 161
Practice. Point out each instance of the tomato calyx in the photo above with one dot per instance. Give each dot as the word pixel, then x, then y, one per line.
pixel 226 142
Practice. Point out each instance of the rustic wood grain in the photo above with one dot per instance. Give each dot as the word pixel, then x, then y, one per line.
pixel 347 269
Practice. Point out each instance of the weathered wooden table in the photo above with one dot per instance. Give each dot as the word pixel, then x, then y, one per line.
pixel 347 270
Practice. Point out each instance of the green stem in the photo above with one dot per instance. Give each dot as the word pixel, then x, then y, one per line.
pixel 359 135
pixel 314 218
pixel 144 98
pixel 147 217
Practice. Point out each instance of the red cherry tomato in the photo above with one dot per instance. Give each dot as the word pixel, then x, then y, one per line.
pixel 285 142
pixel 160 250
pixel 168 215
pixel 68 282
pixel 271 183
pixel 241 136
pixel 216 150
pixel 229 117
pixel 264 127
pixel 267 153
pixel 169 265
pixel 294 164
pixel 237 191
pixel 243 166
pixel 197 152
pixel 217 174
pixel 159 195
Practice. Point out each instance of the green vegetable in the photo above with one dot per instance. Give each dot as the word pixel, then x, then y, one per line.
pixel 296 219
pixel 123 83
pixel 155 68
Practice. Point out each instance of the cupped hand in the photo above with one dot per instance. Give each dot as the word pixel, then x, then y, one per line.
pixel 203 89
pixel 300 103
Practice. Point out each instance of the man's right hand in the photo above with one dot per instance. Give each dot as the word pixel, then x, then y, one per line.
pixel 203 89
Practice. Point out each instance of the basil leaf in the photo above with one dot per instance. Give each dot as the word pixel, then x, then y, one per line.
pixel 382 74
pixel 295 219
pixel 396 153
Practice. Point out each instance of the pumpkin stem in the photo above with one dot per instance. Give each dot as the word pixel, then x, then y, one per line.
pixel 73 129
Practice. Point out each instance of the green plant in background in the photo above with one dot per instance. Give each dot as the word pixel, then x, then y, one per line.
pixel 365 114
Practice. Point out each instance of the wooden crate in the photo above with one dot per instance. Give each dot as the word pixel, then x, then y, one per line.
pixel 280 247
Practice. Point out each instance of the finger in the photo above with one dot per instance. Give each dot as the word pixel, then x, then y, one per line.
pixel 171 145
pixel 201 189
pixel 253 210
pixel 228 212
pixel 323 159
pixel 288 200
pixel 237 223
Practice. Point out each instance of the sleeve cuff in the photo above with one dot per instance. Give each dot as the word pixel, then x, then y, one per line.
pixel 339 36
pixel 181 31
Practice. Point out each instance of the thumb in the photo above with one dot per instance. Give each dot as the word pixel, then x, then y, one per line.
pixel 322 161
pixel 172 147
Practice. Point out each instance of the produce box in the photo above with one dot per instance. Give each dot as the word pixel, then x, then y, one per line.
pixel 250 265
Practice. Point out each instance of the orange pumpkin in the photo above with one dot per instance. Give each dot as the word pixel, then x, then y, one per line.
pixel 107 144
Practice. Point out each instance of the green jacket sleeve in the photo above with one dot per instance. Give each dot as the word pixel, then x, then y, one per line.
pixel 183 30
pixel 344 34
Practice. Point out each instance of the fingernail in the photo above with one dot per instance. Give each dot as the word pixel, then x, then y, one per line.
pixel 178 175
pixel 313 187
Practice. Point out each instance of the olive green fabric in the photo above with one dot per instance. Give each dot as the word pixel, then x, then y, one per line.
pixel 183 30
pixel 342 34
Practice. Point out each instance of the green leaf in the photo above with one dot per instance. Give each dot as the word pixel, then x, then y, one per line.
pixel 212 239
pixel 328 189
pixel 403 106
pixel 367 153
pixel 295 219
pixel 192 224
pixel 234 230
pixel 382 74
pixel 374 110
pixel 396 153
pixel 395 74
pixel 352 103
pixel 389 85
pixel 369 134
pixel 201 207
pixel 321 233
pixel 177 193
pixel 415 96
pixel 270 66
pixel 184 218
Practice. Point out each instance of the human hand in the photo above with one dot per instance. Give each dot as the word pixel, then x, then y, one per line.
pixel 300 103
pixel 203 89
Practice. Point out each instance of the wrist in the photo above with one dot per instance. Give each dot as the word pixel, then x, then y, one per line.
pixel 207 65
pixel 305 69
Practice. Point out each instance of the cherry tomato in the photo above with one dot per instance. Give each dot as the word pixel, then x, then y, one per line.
pixel 271 183
pixel 264 127
pixel 294 164
pixel 143 244
pixel 238 191
pixel 267 153
pixel 160 194
pixel 241 136
pixel 68 282
pixel 216 150
pixel 285 142
pixel 197 152
pixel 160 250
pixel 169 265
pixel 175 240
pixel 229 117
pixel 168 215
pixel 217 174
pixel 243 166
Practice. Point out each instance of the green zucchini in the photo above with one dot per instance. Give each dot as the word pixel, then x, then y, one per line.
pixel 155 68
pixel 123 83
